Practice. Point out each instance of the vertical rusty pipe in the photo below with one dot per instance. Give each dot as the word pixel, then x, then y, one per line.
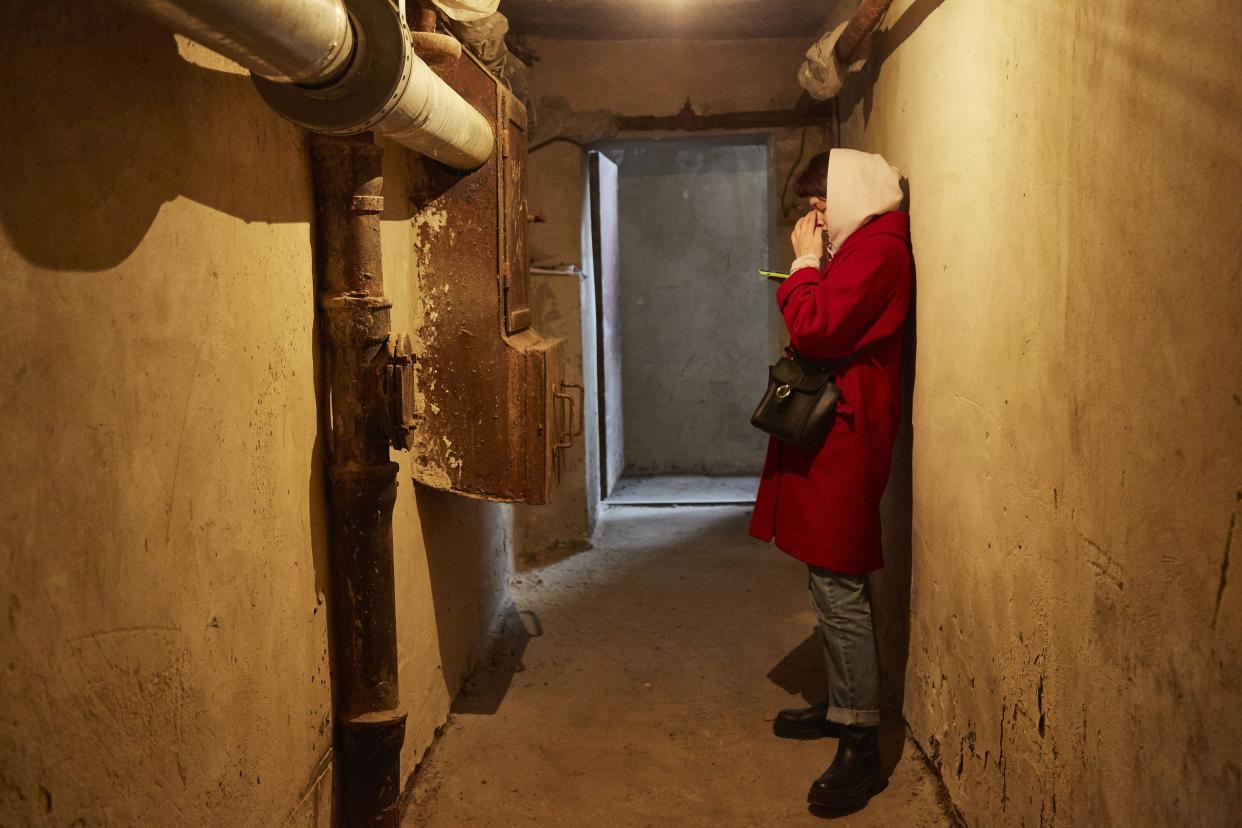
pixel 861 24
pixel 426 16
pixel 356 318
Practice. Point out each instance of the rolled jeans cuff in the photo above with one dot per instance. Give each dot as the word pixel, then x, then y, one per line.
pixel 858 718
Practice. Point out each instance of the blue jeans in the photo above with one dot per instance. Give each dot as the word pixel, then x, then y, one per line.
pixel 843 604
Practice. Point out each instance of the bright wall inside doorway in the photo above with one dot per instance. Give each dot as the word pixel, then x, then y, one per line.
pixel 697 327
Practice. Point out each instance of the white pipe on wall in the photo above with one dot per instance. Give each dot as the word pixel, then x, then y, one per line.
pixel 339 68
pixel 289 41
pixel 433 119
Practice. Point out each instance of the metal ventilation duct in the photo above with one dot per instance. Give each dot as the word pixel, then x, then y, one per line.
pixel 337 67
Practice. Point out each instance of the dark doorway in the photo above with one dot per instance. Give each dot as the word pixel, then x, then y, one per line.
pixel 686 325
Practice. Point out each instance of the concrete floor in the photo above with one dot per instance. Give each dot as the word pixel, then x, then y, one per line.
pixel 670 488
pixel 634 685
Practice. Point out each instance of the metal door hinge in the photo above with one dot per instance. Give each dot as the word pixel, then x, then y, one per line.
pixel 399 391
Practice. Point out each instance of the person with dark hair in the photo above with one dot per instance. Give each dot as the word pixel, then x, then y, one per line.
pixel 812 183
pixel 845 300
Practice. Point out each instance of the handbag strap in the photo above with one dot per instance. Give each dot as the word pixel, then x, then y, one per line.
pixel 833 366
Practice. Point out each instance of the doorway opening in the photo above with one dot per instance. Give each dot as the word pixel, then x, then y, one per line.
pixel 685 326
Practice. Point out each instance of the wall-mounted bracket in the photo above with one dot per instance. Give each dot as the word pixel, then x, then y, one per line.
pixel 399 392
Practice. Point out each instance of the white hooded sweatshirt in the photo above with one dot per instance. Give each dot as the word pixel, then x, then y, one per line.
pixel 860 185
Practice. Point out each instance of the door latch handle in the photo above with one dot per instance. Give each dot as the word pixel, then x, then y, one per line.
pixel 581 420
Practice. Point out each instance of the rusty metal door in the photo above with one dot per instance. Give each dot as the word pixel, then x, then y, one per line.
pixel 605 248
pixel 492 415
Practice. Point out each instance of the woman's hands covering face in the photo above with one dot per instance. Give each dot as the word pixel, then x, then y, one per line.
pixel 808 236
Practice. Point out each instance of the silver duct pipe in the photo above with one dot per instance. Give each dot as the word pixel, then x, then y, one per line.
pixel 338 68
pixel 288 41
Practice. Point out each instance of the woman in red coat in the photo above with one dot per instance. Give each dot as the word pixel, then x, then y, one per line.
pixel 823 507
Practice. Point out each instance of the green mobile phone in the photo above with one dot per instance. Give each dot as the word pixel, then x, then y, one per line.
pixel 773 275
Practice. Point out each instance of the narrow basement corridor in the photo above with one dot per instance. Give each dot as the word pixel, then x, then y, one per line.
pixel 387 385
pixel 634 685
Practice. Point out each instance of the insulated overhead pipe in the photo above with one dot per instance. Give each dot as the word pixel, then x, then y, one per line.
pixel 339 68
pixel 287 41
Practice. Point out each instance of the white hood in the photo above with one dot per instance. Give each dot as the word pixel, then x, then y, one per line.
pixel 860 185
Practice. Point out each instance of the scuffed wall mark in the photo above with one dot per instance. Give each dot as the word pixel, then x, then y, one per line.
pixel 1039 703
pixel 314 792
pixel 1001 764
pixel 967 746
pixel 988 415
pixel 1224 565
pixel 152 662
pixel 1105 565
pixel 185 417
pixel 95 636
pixel 1082 754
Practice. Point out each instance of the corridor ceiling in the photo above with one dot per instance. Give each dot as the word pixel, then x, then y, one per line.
pixel 628 19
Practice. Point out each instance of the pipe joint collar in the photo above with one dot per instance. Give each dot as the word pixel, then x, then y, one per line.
pixel 387 88
pixel 374 79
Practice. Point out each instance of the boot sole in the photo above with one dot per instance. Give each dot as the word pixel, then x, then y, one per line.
pixel 848 800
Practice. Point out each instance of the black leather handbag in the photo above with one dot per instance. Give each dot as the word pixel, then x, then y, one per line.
pixel 801 400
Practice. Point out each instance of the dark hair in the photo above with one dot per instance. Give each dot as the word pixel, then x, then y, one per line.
pixel 813 180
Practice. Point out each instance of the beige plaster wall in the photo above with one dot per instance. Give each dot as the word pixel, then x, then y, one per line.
pixel 162 538
pixel 162 527
pixel 1075 174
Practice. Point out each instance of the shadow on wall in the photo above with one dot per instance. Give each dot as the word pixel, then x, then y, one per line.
pixel 468 568
pixel 890 587
pixel 89 161
pixel 884 43
pixel 317 494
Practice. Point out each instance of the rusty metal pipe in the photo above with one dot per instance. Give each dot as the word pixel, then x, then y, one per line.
pixel 862 24
pixel 356 323
pixel 426 15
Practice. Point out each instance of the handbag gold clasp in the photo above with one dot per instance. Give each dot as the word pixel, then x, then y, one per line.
pixel 782 392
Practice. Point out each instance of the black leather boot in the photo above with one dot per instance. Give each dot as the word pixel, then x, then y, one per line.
pixel 805 723
pixel 855 775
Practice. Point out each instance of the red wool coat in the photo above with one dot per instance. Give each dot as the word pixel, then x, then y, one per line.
pixel 823 507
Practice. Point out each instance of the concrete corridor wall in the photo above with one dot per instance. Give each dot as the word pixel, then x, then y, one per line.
pixel 164 656
pixel 1076 176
